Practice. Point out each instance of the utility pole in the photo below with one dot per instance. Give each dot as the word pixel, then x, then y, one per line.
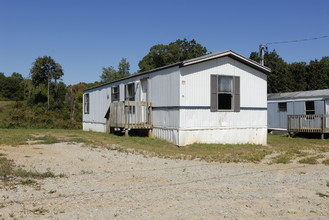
pixel 261 53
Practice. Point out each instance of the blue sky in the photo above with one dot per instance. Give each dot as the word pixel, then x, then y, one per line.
pixel 86 35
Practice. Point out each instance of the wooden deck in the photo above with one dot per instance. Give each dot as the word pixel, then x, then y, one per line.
pixel 308 124
pixel 130 115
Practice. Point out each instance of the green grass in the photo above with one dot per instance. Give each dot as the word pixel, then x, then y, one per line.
pixel 283 158
pixel 323 195
pixel 9 170
pixel 287 148
pixel 292 148
pixel 309 160
pixel 326 162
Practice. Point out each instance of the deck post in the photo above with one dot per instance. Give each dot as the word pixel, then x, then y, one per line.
pixel 150 134
pixel 126 132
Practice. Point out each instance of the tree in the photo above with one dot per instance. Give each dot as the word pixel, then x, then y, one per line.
pixel 74 92
pixel 299 74
pixel 123 68
pixel 45 69
pixel 11 87
pixel 318 74
pixel 279 80
pixel 110 74
pixel 162 55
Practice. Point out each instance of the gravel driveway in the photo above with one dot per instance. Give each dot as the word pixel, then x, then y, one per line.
pixel 107 184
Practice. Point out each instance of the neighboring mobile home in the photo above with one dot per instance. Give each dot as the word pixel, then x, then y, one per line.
pixel 217 98
pixel 304 111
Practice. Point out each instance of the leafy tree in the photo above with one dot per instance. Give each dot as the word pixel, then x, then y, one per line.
pixel 2 83
pixel 74 98
pixel 45 69
pixel 318 74
pixel 299 74
pixel 10 87
pixel 162 55
pixel 123 68
pixel 279 80
pixel 110 74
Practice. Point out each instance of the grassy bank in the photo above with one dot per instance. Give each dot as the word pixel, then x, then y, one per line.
pixel 282 149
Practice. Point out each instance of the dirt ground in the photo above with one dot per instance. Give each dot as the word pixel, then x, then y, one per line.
pixel 107 184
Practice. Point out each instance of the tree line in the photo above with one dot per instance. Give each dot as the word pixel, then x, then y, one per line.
pixel 297 76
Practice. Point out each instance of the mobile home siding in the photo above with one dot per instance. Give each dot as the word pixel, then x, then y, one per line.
pixel 278 120
pixel 250 123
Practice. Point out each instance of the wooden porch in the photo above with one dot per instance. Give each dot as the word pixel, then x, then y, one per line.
pixel 129 115
pixel 308 124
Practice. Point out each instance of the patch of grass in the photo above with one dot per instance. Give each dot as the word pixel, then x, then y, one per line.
pixel 309 160
pixel 322 195
pixel 78 140
pixel 47 139
pixel 40 211
pixel 27 182
pixel 8 170
pixel 328 184
pixel 291 148
pixel 326 162
pixel 283 158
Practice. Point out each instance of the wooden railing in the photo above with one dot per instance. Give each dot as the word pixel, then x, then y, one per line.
pixel 131 115
pixel 308 123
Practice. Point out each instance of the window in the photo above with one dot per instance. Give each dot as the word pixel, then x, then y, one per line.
pixel 86 104
pixel 282 106
pixel 309 108
pixel 130 92
pixel 115 93
pixel 225 93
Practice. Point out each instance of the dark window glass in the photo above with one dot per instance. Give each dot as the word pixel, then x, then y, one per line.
pixel 309 107
pixel 224 101
pixel 130 92
pixel 282 106
pixel 115 93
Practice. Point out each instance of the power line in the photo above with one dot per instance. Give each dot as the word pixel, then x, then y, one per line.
pixel 263 47
pixel 296 41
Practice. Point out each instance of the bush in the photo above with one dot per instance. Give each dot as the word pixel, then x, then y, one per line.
pixel 21 115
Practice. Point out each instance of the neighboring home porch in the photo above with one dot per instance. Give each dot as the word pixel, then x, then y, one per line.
pixel 128 115
pixel 308 124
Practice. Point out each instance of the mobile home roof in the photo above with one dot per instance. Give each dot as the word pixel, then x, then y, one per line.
pixel 324 93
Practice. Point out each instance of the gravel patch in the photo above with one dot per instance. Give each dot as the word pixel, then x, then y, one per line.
pixel 107 184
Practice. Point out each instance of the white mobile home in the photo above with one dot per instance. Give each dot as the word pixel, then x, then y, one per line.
pixel 309 109
pixel 217 98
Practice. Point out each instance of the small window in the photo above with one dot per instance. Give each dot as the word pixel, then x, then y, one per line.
pixel 130 92
pixel 115 93
pixel 225 93
pixel 282 106
pixel 309 108
pixel 86 104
